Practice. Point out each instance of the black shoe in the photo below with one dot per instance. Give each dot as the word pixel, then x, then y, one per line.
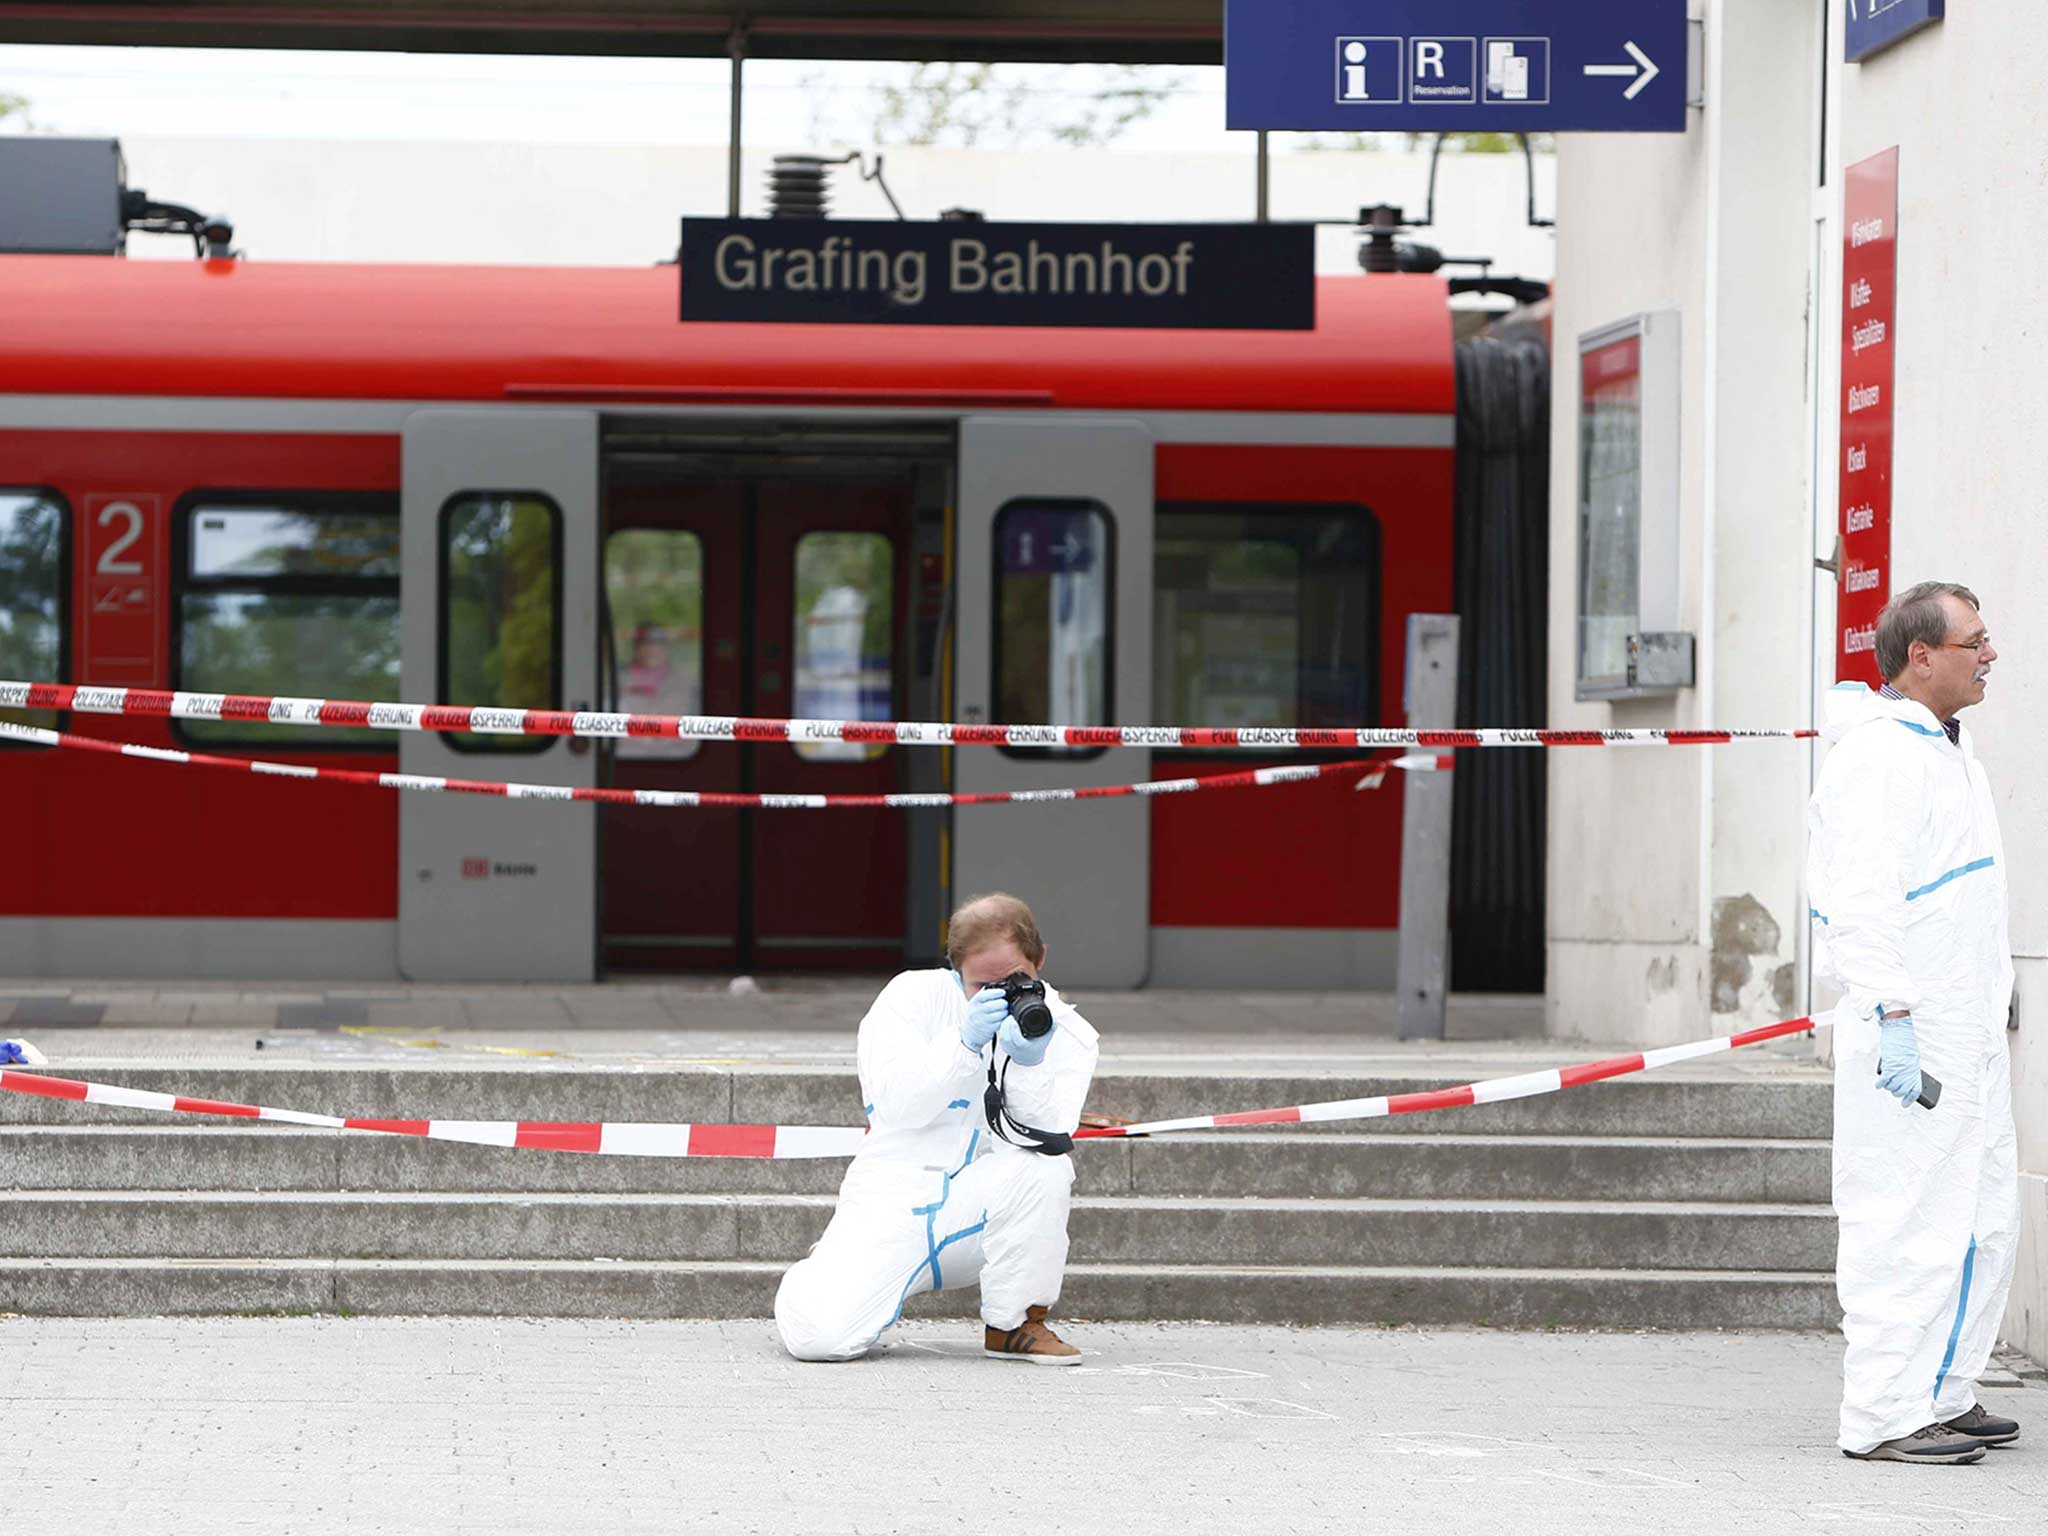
pixel 1988 1427
pixel 1936 1444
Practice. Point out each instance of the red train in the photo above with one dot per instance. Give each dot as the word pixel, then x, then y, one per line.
pixel 533 487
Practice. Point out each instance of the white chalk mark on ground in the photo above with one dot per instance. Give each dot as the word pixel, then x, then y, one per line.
pixel 1268 1408
pixel 1238 1407
pixel 1176 1370
pixel 1917 1513
pixel 1609 1477
pixel 1449 1442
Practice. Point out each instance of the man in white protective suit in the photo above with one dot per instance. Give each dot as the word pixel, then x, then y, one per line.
pixel 937 1198
pixel 1908 888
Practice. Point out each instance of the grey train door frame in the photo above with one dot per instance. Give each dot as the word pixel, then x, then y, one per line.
pixel 488 889
pixel 1085 869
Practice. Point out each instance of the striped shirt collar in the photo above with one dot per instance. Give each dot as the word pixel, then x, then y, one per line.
pixel 1953 726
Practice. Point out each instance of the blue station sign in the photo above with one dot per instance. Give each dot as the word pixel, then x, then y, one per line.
pixel 1453 66
pixel 1871 25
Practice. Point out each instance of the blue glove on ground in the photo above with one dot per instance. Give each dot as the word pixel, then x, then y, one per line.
pixel 1024 1052
pixel 1898 1060
pixel 986 1011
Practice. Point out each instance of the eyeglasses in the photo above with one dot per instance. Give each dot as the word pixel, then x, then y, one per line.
pixel 1977 644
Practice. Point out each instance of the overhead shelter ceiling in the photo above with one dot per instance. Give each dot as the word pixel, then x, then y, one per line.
pixel 1050 31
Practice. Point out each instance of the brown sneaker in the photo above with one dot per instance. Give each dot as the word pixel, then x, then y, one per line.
pixel 1030 1340
pixel 1935 1444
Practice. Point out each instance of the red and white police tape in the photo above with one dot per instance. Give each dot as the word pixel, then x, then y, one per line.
pixel 1493 1090
pixel 657 1139
pixel 1372 772
pixel 555 722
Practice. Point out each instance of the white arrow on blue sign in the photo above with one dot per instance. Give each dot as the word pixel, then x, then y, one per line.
pixel 1450 66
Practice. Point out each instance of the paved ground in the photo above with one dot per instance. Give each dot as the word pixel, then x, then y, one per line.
pixel 315 1426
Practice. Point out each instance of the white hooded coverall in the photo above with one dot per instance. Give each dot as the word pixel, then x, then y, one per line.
pixel 1907 880
pixel 933 1201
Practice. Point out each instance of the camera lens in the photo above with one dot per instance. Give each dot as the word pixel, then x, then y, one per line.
pixel 1033 1018
pixel 1027 1005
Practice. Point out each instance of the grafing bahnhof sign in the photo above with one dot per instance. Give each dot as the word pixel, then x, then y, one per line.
pixel 1149 276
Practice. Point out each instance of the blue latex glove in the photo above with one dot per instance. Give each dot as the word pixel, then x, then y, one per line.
pixel 986 1011
pixel 1898 1060
pixel 1023 1051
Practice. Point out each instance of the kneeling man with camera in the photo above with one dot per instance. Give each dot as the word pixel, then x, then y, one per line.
pixel 973 1080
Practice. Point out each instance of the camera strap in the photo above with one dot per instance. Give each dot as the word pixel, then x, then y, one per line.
pixel 1009 1127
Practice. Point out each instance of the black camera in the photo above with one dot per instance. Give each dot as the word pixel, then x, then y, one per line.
pixel 1026 998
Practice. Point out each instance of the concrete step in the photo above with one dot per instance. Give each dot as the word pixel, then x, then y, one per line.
pixel 1511 1233
pixel 1129 1229
pixel 1791 1107
pixel 1524 1297
pixel 197 1155
pixel 1459 1167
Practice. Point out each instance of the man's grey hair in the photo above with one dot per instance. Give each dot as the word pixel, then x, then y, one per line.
pixel 1915 614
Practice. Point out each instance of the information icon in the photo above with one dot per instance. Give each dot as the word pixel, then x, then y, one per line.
pixel 1369 71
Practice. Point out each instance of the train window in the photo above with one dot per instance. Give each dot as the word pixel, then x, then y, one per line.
pixel 501 616
pixel 845 644
pixel 1266 615
pixel 286 593
pixel 654 593
pixel 1054 565
pixel 35 581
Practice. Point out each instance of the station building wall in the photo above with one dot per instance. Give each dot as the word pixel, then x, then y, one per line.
pixel 1667 876
pixel 1965 110
pixel 1674 872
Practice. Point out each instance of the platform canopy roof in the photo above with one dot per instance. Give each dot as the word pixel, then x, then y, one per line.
pixel 1052 31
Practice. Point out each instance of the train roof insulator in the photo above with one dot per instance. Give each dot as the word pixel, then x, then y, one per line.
pixel 70 197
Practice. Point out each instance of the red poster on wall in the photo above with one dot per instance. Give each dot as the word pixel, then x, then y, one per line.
pixel 1870 250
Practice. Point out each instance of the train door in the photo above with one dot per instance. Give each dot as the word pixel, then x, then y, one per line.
pixel 1055 626
pixel 758 594
pixel 499 609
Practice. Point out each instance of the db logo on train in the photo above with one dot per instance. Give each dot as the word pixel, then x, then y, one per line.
pixel 484 869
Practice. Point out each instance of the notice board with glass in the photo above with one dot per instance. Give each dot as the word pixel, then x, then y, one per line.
pixel 1628 572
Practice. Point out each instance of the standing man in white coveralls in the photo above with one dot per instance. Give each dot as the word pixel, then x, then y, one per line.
pixel 1908 885
pixel 935 1199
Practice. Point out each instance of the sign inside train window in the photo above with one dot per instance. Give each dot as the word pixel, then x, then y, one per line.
pixel 1258 277
pixel 1871 25
pixel 1049 541
pixel 1454 66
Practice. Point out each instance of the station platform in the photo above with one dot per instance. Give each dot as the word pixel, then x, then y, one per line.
pixel 806 1016
pixel 789 1022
